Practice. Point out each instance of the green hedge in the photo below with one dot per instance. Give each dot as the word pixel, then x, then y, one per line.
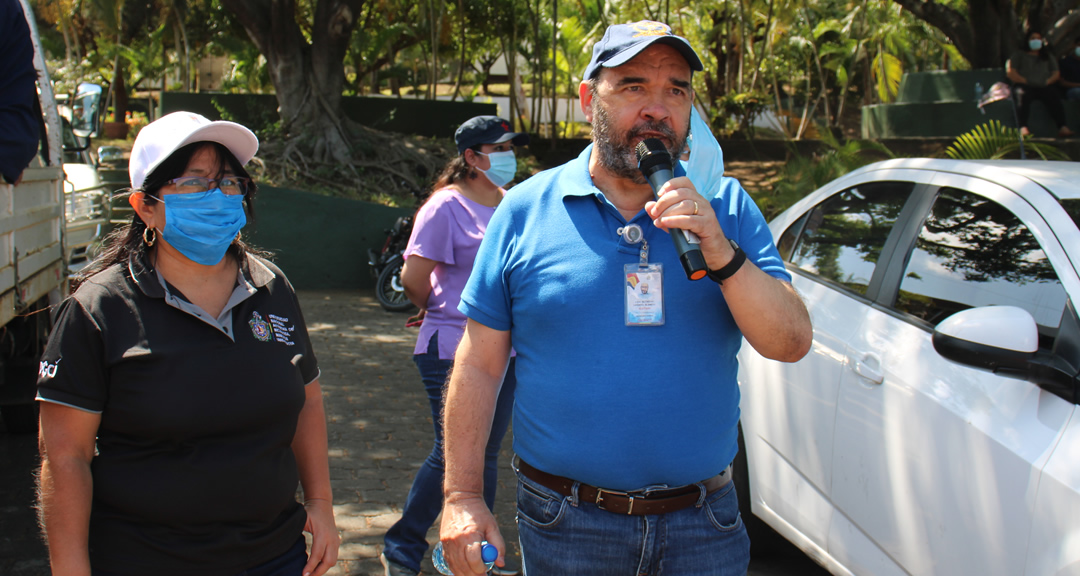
pixel 437 118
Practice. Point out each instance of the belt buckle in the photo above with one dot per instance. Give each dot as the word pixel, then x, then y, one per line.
pixel 600 499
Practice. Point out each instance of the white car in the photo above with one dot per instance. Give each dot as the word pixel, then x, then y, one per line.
pixel 933 427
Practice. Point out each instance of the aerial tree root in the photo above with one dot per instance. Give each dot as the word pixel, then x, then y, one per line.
pixel 382 167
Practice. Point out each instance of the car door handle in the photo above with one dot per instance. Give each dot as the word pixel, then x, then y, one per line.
pixel 869 367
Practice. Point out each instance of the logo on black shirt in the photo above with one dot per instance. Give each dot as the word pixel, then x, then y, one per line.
pixel 260 328
pixel 277 328
pixel 46 370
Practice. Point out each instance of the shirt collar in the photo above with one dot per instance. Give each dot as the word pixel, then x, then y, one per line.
pixel 251 270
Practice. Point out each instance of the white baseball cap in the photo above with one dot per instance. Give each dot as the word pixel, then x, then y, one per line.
pixel 160 138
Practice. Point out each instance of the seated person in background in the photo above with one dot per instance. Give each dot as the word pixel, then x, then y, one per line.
pixel 1033 73
pixel 1069 66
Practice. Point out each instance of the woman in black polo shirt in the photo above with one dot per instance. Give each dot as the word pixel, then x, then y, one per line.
pixel 180 401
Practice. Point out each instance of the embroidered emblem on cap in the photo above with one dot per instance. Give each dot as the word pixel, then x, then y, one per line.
pixel 260 328
pixel 649 28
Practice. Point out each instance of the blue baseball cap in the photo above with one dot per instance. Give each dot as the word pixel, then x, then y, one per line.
pixel 486 130
pixel 621 42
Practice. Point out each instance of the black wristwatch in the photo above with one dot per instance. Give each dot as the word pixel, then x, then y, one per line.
pixel 729 269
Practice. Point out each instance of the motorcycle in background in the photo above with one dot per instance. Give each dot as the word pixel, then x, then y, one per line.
pixel 386 266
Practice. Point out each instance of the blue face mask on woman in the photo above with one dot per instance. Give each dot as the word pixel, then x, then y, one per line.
pixel 1035 44
pixel 503 167
pixel 203 225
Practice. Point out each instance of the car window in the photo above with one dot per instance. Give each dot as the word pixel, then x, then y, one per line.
pixel 841 239
pixel 1072 208
pixel 971 252
pixel 71 144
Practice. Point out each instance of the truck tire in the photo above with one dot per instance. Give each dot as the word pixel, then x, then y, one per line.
pixel 22 341
pixel 20 418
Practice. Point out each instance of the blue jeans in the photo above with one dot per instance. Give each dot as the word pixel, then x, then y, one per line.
pixel 562 535
pixel 406 541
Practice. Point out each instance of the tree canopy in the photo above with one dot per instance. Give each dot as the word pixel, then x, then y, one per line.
pixel 808 63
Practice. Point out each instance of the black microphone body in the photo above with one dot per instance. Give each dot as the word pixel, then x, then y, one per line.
pixel 654 161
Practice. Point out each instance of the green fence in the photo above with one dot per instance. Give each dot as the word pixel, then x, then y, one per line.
pixel 941 104
pixel 320 241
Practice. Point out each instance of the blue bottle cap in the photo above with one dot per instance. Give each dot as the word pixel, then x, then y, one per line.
pixel 488 552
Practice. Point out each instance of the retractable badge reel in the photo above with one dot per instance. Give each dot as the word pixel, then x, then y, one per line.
pixel 643 284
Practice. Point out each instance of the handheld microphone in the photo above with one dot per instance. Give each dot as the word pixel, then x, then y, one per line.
pixel 654 161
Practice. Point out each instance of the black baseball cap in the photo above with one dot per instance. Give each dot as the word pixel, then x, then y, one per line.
pixel 621 42
pixel 486 130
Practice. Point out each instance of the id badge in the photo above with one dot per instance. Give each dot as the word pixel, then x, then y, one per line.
pixel 644 287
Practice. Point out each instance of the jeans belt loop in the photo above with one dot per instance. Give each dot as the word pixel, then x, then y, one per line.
pixel 701 499
pixel 574 499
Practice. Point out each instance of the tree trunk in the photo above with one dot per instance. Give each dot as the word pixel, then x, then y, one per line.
pixel 307 78
pixel 461 60
pixel 185 75
pixel 120 95
pixel 554 71
pixel 538 71
pixel 985 36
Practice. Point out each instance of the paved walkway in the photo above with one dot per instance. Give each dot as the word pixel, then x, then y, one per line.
pixel 379 422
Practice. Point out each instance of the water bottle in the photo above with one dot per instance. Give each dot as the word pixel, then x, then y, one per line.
pixel 488 553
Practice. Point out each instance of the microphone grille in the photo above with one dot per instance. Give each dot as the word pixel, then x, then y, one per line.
pixel 651 146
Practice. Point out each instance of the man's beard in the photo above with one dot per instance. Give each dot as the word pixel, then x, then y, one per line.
pixel 617 154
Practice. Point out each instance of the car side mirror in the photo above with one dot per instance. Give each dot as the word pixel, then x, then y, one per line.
pixel 1001 339
pixel 85 109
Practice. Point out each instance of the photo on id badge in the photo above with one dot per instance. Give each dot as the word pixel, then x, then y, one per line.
pixel 644 294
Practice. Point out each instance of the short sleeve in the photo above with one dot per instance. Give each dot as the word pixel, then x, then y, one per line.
pixel 739 213
pixel 309 364
pixel 433 229
pixel 72 369
pixel 486 298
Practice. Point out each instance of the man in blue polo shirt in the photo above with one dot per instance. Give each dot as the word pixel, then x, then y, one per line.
pixel 625 421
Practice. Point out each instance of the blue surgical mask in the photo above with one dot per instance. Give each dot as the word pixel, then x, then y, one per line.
pixel 1077 51
pixel 203 225
pixel 1035 44
pixel 503 167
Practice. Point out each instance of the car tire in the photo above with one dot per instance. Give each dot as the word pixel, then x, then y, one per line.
pixel 763 539
pixel 388 288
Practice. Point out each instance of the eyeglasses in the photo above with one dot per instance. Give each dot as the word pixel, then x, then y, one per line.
pixel 231 185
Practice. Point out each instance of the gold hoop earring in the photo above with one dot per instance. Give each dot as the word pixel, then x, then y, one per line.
pixel 149 235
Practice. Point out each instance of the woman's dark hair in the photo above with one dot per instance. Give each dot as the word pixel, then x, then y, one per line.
pixel 127 240
pixel 456 170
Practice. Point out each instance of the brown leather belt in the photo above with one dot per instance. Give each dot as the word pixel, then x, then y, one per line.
pixel 633 503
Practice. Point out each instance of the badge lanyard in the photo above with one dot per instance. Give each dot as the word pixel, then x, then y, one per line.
pixel 643 283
